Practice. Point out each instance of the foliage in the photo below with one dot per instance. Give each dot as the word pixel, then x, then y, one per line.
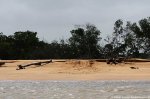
pixel 127 40
pixel 84 41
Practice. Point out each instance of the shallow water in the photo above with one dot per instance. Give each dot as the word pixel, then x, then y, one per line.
pixel 74 89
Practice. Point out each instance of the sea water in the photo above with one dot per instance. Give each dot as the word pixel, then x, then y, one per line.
pixel 75 89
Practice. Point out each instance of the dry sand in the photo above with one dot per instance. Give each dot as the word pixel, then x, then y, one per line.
pixel 75 70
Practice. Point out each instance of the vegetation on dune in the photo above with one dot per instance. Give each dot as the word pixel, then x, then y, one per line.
pixel 127 40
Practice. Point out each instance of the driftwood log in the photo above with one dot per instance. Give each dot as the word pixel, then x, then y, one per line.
pixel 34 63
pixel 2 63
pixel 134 67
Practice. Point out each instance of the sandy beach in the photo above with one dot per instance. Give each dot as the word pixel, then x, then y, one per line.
pixel 75 70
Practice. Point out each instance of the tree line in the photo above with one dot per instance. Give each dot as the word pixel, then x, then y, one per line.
pixel 127 40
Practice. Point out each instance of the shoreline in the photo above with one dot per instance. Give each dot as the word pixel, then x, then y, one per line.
pixel 74 81
pixel 80 77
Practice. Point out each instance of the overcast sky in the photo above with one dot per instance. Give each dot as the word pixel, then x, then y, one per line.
pixel 53 19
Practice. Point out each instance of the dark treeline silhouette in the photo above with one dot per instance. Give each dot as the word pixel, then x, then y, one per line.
pixel 127 40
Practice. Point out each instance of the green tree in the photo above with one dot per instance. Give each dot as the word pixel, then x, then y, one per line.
pixel 84 41
pixel 4 46
pixel 24 43
pixel 142 32
pixel 116 46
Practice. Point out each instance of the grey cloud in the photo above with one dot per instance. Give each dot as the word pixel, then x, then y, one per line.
pixel 53 19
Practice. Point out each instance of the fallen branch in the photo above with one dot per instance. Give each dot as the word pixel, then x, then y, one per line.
pixel 34 63
pixel 134 67
pixel 2 63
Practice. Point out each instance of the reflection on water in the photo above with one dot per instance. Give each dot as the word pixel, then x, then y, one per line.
pixel 74 89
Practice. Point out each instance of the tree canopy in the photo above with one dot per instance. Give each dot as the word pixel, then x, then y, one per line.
pixel 127 40
pixel 85 40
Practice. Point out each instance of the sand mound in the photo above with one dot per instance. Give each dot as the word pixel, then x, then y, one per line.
pixel 85 66
pixel 81 63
